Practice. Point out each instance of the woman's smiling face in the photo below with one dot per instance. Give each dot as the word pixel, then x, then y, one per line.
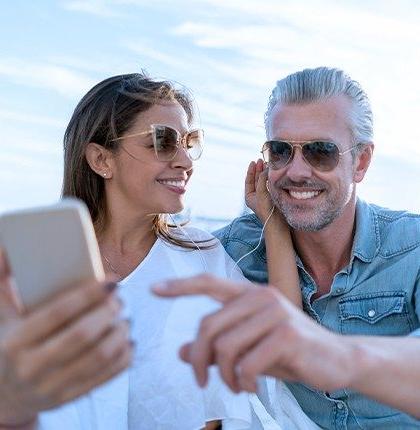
pixel 139 180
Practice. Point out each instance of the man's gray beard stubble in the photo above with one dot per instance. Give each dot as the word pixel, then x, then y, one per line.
pixel 324 215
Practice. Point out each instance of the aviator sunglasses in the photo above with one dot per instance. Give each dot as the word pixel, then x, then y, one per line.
pixel 321 155
pixel 167 141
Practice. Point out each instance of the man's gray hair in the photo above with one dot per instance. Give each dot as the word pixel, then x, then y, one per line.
pixel 311 85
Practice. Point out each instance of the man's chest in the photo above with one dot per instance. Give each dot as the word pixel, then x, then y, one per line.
pixel 366 300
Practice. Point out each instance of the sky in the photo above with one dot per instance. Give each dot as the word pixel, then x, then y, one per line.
pixel 230 54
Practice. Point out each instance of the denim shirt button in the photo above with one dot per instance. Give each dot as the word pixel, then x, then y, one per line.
pixel 340 406
pixel 371 313
pixel 339 290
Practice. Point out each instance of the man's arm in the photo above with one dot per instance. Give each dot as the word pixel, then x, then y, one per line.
pixel 258 331
pixel 387 369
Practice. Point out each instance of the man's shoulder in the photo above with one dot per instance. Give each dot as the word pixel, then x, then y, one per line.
pixel 398 230
pixel 241 239
pixel 245 228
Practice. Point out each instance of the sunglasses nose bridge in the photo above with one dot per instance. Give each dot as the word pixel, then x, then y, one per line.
pixel 182 155
pixel 293 153
pixel 298 166
pixel 180 144
pixel 183 142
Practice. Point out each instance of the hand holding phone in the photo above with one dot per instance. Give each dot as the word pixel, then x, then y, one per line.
pixel 67 342
pixel 50 248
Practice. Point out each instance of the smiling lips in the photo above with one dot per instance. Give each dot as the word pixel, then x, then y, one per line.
pixel 303 195
pixel 177 185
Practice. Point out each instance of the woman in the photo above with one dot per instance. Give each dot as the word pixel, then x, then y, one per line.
pixel 129 152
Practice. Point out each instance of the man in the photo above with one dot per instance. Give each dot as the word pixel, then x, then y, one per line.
pixel 359 270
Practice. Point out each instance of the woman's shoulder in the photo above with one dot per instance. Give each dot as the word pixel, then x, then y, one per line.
pixel 190 233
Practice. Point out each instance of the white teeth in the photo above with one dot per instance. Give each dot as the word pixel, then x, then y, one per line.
pixel 301 195
pixel 179 184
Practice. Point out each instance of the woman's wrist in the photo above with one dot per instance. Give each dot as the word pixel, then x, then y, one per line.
pixel 276 223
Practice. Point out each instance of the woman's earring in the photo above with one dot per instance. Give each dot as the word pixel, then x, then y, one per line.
pixel 104 175
pixel 267 185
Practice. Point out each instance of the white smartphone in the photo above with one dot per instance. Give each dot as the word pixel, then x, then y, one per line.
pixel 50 248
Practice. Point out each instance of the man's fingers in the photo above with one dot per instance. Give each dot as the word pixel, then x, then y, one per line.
pixel 221 290
pixel 49 317
pixel 202 351
pixel 232 344
pixel 184 352
pixel 268 357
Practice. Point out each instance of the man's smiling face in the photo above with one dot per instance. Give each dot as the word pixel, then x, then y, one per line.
pixel 310 199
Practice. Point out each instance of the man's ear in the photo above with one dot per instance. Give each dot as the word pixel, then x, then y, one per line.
pixel 99 159
pixel 362 162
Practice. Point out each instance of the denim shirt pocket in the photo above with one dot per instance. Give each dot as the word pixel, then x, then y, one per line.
pixel 383 314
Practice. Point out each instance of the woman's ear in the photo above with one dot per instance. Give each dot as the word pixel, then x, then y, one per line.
pixel 362 162
pixel 99 159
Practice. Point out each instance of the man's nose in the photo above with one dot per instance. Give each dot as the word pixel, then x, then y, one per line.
pixel 298 168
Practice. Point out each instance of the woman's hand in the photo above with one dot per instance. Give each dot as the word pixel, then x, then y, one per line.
pixel 58 351
pixel 257 196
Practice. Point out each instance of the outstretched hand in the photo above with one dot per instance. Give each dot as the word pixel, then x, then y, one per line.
pixel 258 331
pixel 257 197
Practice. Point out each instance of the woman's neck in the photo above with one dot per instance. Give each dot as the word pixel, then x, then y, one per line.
pixel 125 238
pixel 125 242
pixel 125 235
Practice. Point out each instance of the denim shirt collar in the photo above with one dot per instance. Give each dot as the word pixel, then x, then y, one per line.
pixel 367 241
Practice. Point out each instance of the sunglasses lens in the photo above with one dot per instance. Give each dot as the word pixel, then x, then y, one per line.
pixel 322 156
pixel 195 140
pixel 166 142
pixel 277 153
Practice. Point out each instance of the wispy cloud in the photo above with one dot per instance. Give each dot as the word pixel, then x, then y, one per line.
pixel 100 8
pixel 29 118
pixel 144 50
pixel 67 82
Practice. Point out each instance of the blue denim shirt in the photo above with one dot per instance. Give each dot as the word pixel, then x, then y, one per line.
pixel 378 293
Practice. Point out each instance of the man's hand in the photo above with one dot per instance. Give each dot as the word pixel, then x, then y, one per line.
pixel 58 351
pixel 258 331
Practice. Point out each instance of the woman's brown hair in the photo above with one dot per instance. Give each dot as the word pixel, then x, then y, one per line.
pixel 105 113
